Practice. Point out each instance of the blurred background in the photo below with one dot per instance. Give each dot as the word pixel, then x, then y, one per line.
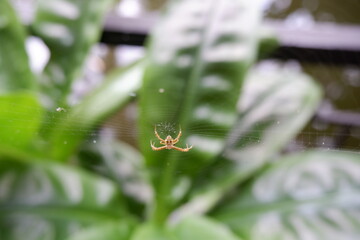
pixel 320 36
pixel 250 168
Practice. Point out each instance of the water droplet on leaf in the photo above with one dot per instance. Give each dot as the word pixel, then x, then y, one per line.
pixel 60 109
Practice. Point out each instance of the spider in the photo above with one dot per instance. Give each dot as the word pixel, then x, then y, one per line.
pixel 169 143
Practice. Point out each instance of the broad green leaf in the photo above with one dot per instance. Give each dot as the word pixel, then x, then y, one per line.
pixel 69 28
pixel 117 90
pixel 111 231
pixel 46 201
pixel 309 195
pixel 15 73
pixel 20 116
pixel 152 232
pixel 276 103
pixel 193 78
pixel 122 163
pixel 198 56
pixel 199 228
pixel 202 228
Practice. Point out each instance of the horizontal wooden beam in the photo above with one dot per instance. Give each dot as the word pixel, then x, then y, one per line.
pixel 320 42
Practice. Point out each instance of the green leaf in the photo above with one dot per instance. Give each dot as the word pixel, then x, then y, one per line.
pixel 195 80
pixel 15 73
pixel 276 103
pixel 198 57
pixel 47 201
pixel 310 195
pixel 152 232
pixel 199 228
pixel 117 90
pixel 110 231
pixel 20 116
pixel 69 28
pixel 202 228
pixel 120 162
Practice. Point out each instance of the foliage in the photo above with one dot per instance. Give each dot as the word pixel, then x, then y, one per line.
pixel 236 183
pixel 44 199
pixel 69 28
pixel 301 194
pixel 13 59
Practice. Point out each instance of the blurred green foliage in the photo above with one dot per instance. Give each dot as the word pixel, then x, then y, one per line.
pixel 234 184
pixel 13 59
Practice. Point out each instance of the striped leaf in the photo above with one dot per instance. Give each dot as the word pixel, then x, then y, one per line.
pixel 52 201
pixel 110 231
pixel 310 195
pixel 116 91
pixel 15 73
pixel 275 104
pixel 199 228
pixel 199 54
pixel 198 57
pixel 69 28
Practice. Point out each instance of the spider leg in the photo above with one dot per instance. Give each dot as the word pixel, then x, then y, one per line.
pixel 156 148
pixel 182 149
pixel 178 137
pixel 157 135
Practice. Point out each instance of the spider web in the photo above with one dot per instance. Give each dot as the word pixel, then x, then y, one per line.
pixel 341 85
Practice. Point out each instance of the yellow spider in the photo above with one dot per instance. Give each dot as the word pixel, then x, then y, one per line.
pixel 169 143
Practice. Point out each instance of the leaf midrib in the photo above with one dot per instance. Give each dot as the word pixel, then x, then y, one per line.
pixel 193 82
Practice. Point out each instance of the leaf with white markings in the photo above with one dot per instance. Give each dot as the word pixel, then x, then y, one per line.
pixel 194 78
pixel 199 228
pixel 310 195
pixel 121 163
pixel 115 92
pixel 69 28
pixel 52 201
pixel 15 73
pixel 110 231
pixel 272 100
